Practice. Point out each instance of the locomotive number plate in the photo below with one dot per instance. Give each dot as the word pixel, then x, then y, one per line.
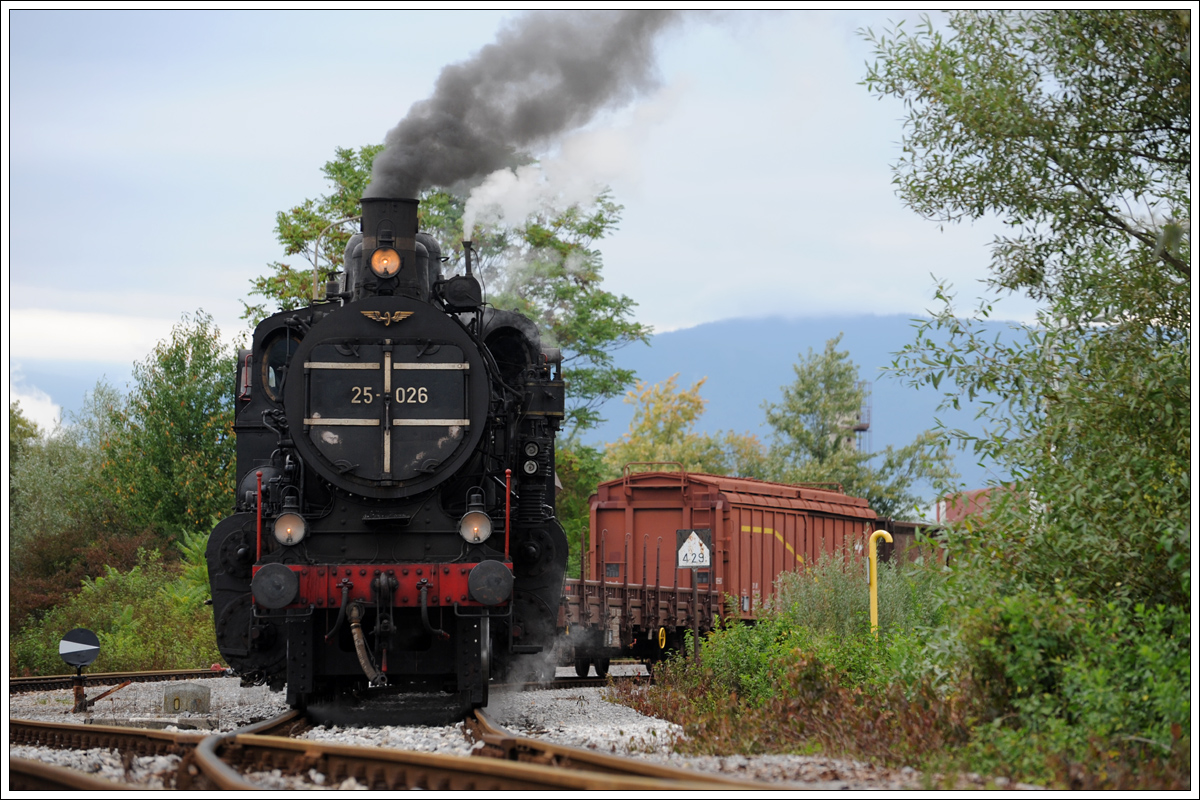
pixel 387 412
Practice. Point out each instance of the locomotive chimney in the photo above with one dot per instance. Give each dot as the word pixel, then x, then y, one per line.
pixel 389 250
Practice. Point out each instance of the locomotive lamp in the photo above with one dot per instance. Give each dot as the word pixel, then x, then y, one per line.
pixel 290 527
pixel 475 526
pixel 385 262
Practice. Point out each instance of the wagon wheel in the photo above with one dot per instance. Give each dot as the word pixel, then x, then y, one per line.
pixel 601 667
pixel 581 667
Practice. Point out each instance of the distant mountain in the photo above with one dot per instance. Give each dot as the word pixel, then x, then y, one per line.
pixel 747 361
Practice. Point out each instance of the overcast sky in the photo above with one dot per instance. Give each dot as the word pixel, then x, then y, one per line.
pixel 149 152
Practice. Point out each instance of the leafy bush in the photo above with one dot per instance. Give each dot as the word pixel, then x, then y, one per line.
pixel 1059 674
pixel 135 614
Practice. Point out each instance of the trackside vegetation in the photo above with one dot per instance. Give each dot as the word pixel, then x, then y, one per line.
pixel 1076 696
pixel 149 616
pixel 1060 650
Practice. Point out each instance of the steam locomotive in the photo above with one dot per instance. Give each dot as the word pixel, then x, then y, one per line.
pixel 395 519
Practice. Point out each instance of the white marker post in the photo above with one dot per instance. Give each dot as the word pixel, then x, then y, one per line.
pixel 695 551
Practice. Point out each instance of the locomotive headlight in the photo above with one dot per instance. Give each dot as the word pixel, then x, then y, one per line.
pixel 476 525
pixel 290 528
pixel 385 262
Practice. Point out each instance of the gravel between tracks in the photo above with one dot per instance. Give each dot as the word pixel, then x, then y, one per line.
pixel 577 717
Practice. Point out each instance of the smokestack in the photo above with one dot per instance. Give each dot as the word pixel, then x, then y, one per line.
pixel 546 73
pixel 390 224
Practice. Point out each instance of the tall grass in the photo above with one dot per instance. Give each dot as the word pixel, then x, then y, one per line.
pixel 832 596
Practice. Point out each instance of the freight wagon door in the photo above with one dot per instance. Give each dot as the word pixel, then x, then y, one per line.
pixel 634 535
pixel 769 541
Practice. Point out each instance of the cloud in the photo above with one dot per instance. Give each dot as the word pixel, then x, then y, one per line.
pixel 54 335
pixel 40 334
pixel 36 405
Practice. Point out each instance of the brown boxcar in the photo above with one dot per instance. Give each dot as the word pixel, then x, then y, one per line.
pixel 634 601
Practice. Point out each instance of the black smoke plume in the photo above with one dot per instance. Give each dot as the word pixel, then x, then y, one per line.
pixel 546 73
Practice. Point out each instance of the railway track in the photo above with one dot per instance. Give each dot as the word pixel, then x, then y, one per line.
pixel 501 743
pixel 230 761
pixel 49 683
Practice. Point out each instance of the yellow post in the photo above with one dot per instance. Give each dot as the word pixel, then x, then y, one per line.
pixel 874 579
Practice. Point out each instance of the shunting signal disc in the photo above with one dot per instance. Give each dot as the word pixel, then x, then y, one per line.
pixel 79 648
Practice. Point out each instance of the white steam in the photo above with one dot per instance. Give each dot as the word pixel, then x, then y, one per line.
pixel 584 164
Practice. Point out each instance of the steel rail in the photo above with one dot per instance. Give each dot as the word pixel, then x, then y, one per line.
pixel 501 743
pixel 68 736
pixel 382 769
pixel 212 769
pixel 30 775
pixel 17 685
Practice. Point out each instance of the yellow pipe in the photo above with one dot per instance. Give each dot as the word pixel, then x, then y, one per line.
pixel 874 580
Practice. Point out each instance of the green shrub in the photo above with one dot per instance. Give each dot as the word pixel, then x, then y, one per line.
pixel 138 615
pixel 1057 674
pixel 822 615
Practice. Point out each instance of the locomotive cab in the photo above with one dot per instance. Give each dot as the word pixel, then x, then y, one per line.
pixel 395 511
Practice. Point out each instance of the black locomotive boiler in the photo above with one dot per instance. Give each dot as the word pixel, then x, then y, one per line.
pixel 395 518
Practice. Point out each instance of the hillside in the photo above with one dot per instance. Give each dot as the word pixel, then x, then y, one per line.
pixel 748 360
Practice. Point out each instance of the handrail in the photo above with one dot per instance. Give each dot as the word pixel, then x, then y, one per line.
pixel 627 473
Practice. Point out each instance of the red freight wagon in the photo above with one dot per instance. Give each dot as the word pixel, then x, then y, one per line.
pixel 633 601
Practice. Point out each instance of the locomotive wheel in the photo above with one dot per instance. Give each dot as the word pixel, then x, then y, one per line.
pixel 581 667
pixel 601 667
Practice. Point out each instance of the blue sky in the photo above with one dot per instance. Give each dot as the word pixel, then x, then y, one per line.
pixel 148 153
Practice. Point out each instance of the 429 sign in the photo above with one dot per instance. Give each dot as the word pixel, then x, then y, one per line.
pixel 694 548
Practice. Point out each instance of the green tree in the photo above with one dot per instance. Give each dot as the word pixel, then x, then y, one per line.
pixel 1074 129
pixel 298 229
pixel 62 527
pixel 662 429
pixel 814 439
pixel 169 454
pixel 22 434
pixel 554 277
pixel 137 613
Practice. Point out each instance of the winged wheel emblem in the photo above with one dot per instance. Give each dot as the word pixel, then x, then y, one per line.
pixel 387 318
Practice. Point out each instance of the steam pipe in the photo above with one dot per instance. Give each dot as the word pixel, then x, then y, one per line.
pixel 341 610
pixel 467 254
pixel 360 647
pixel 424 584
